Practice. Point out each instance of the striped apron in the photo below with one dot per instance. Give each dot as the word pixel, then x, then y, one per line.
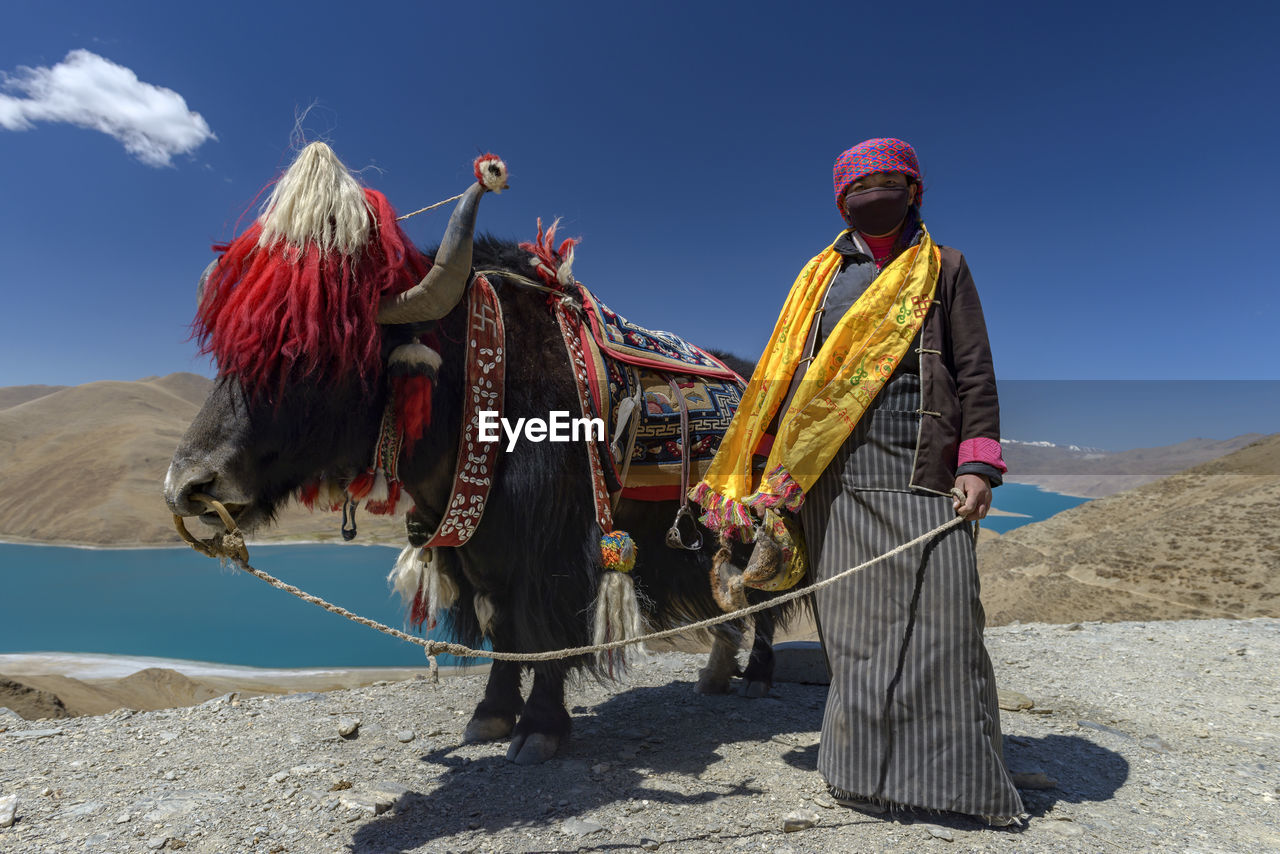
pixel 911 716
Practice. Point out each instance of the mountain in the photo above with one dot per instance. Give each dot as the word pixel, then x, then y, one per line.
pixel 1092 473
pixel 84 464
pixel 1200 543
pixel 14 395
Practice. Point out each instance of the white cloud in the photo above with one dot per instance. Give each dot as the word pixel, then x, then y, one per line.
pixel 153 123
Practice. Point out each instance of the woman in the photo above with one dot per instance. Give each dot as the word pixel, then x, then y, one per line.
pixel 875 405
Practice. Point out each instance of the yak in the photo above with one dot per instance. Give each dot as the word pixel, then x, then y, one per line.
pixel 528 578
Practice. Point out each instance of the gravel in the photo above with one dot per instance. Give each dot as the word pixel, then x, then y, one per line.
pixel 1139 737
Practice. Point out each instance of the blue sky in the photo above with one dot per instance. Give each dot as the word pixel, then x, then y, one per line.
pixel 1107 168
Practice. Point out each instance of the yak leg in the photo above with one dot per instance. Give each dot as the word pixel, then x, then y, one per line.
pixel 544 724
pixel 758 677
pixel 496 714
pixel 722 664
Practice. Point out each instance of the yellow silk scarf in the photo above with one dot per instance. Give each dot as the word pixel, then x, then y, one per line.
pixel 841 382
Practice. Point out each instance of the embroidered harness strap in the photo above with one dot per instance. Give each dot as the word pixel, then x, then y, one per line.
pixel 485 383
pixel 568 314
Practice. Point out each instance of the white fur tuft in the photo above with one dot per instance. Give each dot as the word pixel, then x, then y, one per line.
pixel 493 174
pixel 485 612
pixel 617 617
pixel 317 201
pixel 407 575
pixel 413 575
pixel 564 273
pixel 443 589
pixel 379 492
pixel 417 355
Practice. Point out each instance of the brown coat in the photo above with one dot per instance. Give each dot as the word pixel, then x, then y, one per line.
pixel 958 381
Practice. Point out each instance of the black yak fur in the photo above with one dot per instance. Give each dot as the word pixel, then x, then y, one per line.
pixel 535 555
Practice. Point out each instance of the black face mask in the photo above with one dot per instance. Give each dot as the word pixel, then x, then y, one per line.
pixel 877 210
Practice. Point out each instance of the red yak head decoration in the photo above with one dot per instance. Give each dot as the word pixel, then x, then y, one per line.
pixel 300 295
pixel 296 296
pixel 293 308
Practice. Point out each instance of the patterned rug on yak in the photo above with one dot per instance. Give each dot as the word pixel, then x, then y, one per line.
pixel 648 348
pixel 645 374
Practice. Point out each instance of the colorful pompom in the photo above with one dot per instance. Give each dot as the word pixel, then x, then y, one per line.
pixel 618 551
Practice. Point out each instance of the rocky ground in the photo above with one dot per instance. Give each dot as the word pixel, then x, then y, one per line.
pixel 1131 737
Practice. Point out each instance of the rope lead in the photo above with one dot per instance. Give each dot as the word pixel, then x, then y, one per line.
pixel 231 546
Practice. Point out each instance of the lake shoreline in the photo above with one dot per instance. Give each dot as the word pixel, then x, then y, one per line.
pixel 101 666
pixel 60 685
pixel 99 683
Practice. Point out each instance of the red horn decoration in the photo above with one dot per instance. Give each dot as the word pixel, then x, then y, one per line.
pixel 412 368
pixel 296 295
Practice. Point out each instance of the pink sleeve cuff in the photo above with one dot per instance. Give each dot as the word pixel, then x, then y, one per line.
pixel 981 451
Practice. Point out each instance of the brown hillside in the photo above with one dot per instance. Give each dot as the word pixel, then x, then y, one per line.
pixel 18 394
pixel 192 388
pixel 85 464
pixel 29 702
pixel 1201 543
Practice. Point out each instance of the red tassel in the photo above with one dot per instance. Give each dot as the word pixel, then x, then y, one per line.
pixel 551 257
pixel 421 612
pixel 413 406
pixel 360 485
pixel 386 508
pixel 308 493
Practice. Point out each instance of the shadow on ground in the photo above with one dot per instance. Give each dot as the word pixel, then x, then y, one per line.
pixel 643 733
pixel 1084 771
pixel 639 733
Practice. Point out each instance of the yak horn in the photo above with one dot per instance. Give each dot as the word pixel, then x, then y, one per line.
pixel 441 288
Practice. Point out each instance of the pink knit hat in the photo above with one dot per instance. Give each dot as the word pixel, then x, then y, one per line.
pixel 876 155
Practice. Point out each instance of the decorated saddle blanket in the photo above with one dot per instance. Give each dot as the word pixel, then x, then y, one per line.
pixel 639 378
pixel 648 348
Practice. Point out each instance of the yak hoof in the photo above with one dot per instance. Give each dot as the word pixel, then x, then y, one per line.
pixel 712 680
pixel 755 690
pixel 487 729
pixel 533 749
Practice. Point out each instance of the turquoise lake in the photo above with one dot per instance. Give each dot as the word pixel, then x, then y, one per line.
pixel 174 603
pixel 1034 503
